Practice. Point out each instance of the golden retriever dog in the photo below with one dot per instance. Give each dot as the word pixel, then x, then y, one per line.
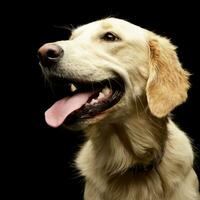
pixel 119 82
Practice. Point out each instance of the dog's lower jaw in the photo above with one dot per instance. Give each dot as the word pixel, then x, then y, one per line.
pixel 83 124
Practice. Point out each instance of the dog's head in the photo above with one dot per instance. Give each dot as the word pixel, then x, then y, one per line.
pixel 105 66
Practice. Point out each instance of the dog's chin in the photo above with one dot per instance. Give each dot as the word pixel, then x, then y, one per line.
pixel 80 124
pixel 83 103
pixel 77 126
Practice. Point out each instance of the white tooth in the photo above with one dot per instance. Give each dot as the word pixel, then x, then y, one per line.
pixel 101 95
pixel 93 101
pixel 106 91
pixel 73 88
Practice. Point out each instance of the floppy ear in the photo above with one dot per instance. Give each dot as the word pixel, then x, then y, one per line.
pixel 168 83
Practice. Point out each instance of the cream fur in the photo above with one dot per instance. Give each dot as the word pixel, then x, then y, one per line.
pixel 138 129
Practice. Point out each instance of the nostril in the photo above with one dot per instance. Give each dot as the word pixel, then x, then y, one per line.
pixel 54 53
pixel 50 54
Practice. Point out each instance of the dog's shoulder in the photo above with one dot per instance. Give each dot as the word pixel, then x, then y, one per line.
pixel 178 157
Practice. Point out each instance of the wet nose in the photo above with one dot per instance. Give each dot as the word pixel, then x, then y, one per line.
pixel 50 54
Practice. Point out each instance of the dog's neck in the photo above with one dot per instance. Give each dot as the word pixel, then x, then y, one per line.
pixel 126 145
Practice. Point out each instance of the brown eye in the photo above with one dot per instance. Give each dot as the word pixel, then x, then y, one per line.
pixel 110 37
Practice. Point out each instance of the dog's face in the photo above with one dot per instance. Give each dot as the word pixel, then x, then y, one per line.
pixel 104 67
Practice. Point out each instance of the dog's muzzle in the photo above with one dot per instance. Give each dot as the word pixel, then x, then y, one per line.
pixel 77 100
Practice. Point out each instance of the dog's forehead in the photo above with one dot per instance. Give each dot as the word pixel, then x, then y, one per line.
pixel 110 24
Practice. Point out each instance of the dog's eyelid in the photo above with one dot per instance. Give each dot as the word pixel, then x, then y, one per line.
pixel 110 36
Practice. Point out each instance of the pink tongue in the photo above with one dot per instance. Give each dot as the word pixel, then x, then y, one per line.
pixel 57 113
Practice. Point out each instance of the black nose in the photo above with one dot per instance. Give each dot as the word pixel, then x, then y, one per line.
pixel 50 54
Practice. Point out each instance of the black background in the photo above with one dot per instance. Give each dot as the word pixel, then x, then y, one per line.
pixel 41 157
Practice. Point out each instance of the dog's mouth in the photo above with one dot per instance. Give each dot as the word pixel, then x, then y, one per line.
pixel 80 100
